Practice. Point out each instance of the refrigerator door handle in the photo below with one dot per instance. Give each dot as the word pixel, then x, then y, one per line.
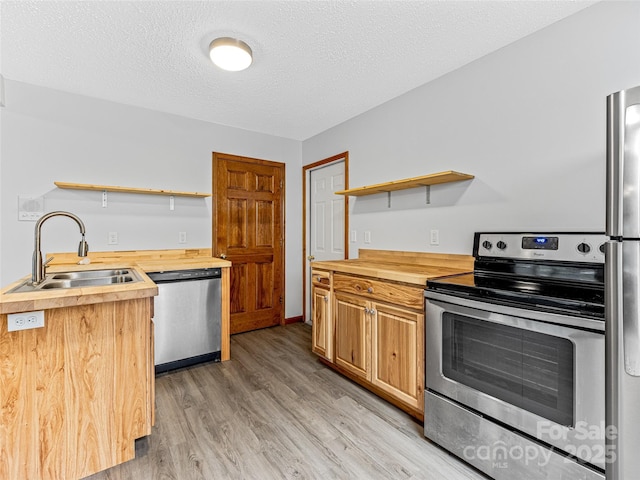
pixel 625 259
pixel 623 164
pixel 615 164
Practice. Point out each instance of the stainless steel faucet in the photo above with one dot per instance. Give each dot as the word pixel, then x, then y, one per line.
pixel 37 273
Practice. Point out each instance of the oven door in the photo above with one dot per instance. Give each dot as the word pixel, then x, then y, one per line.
pixel 540 373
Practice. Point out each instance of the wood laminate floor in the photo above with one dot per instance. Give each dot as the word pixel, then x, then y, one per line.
pixel 272 412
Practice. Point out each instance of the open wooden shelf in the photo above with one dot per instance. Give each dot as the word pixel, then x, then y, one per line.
pixel 426 180
pixel 111 188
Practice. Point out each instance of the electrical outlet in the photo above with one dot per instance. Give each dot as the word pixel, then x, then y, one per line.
pixel 367 237
pixel 113 238
pixel 25 321
pixel 354 236
pixel 435 237
pixel 182 237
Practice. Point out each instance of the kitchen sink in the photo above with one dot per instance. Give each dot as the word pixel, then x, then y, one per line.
pixel 87 282
pixel 89 274
pixel 86 278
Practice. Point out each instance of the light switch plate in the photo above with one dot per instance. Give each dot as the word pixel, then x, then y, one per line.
pixel 112 238
pixel 435 237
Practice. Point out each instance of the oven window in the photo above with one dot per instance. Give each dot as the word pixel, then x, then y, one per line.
pixel 527 369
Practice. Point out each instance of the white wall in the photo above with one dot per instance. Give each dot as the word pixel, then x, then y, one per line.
pixel 1 155
pixel 48 136
pixel 528 121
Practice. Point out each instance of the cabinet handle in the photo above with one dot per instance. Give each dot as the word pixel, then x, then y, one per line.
pixel 370 290
pixel 372 311
pixel 366 310
pixel 318 279
pixel 326 298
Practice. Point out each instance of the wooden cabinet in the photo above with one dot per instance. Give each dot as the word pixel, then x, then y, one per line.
pixel 353 334
pixel 380 290
pixel 321 305
pixel 379 329
pixel 383 344
pixel 378 313
pixel 397 353
pixel 77 393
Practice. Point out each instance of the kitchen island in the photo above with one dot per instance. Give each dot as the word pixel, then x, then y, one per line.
pixel 77 393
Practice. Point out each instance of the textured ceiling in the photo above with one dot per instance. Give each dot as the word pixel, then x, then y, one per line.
pixel 316 63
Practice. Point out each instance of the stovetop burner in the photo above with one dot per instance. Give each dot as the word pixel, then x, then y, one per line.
pixel 555 297
pixel 557 273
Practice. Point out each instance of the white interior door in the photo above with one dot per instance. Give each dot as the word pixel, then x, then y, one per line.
pixel 327 212
pixel 326 235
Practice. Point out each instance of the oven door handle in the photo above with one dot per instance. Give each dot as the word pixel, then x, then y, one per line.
pixel 523 314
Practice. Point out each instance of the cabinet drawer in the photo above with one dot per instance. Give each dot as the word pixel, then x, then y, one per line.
pixel 320 277
pixel 402 295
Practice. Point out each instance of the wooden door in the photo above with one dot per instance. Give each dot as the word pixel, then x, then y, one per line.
pixel 248 230
pixel 353 334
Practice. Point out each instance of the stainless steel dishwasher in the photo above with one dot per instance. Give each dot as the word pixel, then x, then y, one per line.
pixel 187 317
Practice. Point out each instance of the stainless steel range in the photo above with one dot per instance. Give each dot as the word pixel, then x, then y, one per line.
pixel 515 357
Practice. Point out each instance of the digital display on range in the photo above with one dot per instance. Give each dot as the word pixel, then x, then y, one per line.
pixel 540 243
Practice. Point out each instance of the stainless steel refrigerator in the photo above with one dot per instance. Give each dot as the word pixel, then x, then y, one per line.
pixel 622 281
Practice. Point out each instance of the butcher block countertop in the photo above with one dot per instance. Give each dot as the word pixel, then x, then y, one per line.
pixel 148 260
pixel 141 261
pixel 413 268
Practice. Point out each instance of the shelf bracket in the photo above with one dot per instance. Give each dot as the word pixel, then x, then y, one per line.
pixel 428 193
pixel 388 199
pixel 104 199
pixel 171 202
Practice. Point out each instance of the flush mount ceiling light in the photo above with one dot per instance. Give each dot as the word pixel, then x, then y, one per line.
pixel 230 54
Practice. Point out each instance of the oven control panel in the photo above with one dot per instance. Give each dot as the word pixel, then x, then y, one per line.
pixel 567 247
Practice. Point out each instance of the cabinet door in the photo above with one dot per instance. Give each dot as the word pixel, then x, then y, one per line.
pixel 322 331
pixel 398 353
pixel 353 334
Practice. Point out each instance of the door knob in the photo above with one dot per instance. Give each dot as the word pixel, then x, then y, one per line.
pixel 223 256
pixel 311 257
